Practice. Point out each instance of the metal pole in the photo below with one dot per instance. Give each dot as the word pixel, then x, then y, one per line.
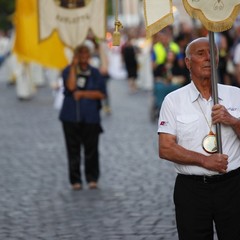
pixel 214 82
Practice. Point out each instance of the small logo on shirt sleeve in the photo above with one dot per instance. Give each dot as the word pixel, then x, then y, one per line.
pixel 163 123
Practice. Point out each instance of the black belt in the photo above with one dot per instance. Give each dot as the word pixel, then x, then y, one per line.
pixel 213 178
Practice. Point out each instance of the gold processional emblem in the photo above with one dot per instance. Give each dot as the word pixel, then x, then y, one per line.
pixel 72 3
pixel 209 143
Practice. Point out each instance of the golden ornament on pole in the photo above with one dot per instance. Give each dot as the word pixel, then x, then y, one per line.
pixel 118 26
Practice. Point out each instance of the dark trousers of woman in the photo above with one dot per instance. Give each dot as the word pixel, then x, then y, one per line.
pixel 200 205
pixel 86 136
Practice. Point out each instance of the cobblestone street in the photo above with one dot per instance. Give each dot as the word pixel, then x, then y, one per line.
pixel 134 199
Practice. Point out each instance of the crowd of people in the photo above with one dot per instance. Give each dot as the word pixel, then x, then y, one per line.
pixel 167 53
pixel 143 62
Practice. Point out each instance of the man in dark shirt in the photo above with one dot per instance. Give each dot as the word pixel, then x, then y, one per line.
pixel 84 88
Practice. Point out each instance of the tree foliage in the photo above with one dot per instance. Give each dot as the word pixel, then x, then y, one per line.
pixel 7 8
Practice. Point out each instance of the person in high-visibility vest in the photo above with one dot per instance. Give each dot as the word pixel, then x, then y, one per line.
pixel 161 48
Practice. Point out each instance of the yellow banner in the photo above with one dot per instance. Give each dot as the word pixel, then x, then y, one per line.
pixel 158 14
pixel 215 15
pixel 28 48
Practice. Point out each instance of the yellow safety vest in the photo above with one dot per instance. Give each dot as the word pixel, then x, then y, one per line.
pixel 161 52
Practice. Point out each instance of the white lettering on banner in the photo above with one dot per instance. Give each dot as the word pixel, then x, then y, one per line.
pixel 73 20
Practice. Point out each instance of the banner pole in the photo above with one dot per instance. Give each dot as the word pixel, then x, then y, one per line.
pixel 214 82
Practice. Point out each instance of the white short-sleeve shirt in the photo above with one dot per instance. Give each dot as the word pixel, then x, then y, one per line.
pixel 186 115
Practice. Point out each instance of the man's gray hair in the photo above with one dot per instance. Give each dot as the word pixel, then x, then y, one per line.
pixel 188 48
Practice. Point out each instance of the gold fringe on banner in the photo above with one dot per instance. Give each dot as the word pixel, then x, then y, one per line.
pixel 212 26
pixel 159 24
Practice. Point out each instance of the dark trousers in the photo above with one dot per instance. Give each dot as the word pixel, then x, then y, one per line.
pixel 78 135
pixel 200 205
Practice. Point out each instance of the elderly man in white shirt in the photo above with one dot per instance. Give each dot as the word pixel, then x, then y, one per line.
pixel 207 188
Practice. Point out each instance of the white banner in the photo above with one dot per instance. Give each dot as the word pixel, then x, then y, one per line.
pixel 158 14
pixel 72 24
pixel 215 15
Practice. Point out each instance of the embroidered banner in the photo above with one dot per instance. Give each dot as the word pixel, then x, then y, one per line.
pixel 158 14
pixel 72 19
pixel 215 15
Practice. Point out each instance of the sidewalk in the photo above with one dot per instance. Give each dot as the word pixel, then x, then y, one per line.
pixel 134 199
